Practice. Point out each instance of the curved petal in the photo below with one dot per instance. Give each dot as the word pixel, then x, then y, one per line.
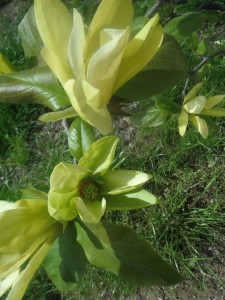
pixel 88 103
pixel 129 201
pixel 214 112
pixel 211 102
pixel 54 24
pixel 195 106
pixel 200 124
pixel 91 211
pixel 99 156
pixel 61 70
pixel 63 194
pixel 104 64
pixel 5 66
pixel 123 181
pixel 182 122
pixel 76 47
pixel 139 51
pixel 8 282
pixel 4 205
pixel 19 237
pixel 110 14
pixel 20 285
pixel 192 93
pixel 58 115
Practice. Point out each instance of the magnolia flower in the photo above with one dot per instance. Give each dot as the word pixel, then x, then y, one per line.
pixel 92 67
pixel 87 189
pixel 193 106
pixel 27 233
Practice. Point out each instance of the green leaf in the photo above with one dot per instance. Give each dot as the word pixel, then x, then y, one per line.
pixel 183 26
pixel 201 47
pixel 126 254
pixel 32 193
pixel 37 85
pixel 166 69
pixel 149 117
pixel 29 35
pixel 81 136
pixel 136 200
pixel 65 263
pixel 58 115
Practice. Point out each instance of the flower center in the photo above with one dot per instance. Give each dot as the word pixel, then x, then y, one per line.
pixel 88 190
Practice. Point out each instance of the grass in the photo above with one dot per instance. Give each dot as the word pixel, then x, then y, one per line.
pixel 187 228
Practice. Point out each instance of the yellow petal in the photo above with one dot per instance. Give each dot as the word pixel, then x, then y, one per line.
pixel 200 124
pixel 115 14
pixel 64 184
pixel 76 47
pixel 4 205
pixel 58 115
pixel 8 282
pixel 211 102
pixel 19 236
pixel 104 64
pixel 195 106
pixel 192 93
pixel 54 24
pixel 182 122
pixel 88 103
pixel 214 112
pixel 21 283
pixel 91 211
pixel 139 51
pixel 5 65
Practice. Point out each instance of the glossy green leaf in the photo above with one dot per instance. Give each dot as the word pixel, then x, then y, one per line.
pixel 149 117
pixel 74 261
pixel 126 254
pixel 32 193
pixel 129 201
pixel 164 71
pixel 29 35
pixel 66 262
pixel 81 136
pixel 37 85
pixel 58 115
pixel 183 26
pixel 99 156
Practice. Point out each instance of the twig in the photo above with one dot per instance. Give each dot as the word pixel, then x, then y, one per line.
pixel 154 8
pixel 205 59
pixel 150 13
pixel 195 70
pixel 65 126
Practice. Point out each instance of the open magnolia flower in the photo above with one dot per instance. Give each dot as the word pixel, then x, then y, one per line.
pixel 27 234
pixel 193 106
pixel 87 189
pixel 92 67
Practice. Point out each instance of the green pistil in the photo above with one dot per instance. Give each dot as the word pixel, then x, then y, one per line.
pixel 88 190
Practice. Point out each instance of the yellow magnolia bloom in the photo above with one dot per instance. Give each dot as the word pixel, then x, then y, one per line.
pixel 92 67
pixel 27 233
pixel 193 106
